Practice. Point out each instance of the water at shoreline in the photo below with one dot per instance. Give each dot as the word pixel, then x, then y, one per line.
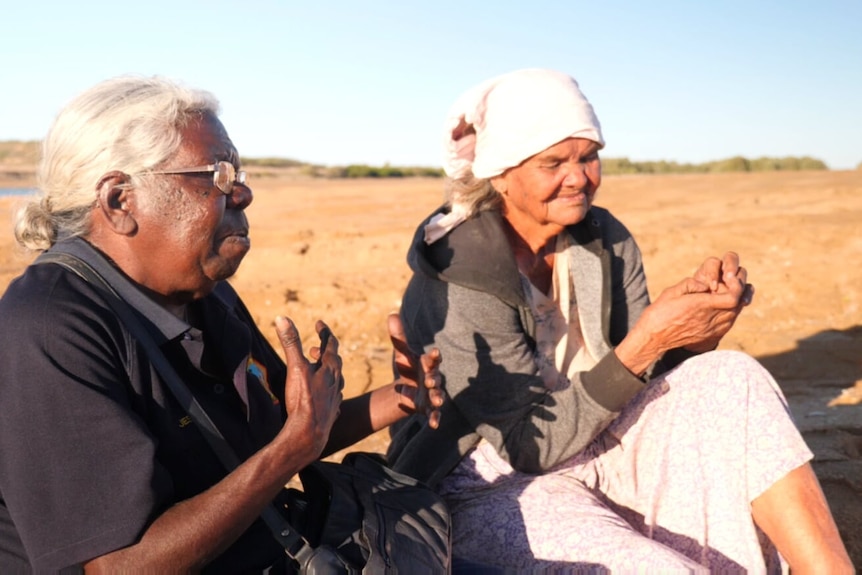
pixel 17 191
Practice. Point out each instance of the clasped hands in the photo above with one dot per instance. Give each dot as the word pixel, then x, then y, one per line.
pixel 694 314
pixel 698 311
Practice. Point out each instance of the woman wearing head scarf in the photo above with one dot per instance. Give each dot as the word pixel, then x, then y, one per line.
pixel 588 427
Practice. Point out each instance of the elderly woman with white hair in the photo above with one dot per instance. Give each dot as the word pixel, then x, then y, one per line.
pixel 589 428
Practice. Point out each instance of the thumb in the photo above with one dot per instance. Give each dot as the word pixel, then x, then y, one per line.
pixel 692 285
pixel 290 342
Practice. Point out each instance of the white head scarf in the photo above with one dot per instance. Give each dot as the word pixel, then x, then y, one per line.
pixel 513 117
pixel 503 121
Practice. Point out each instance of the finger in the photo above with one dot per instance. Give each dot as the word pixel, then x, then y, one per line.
pixel 434 420
pixel 328 342
pixel 432 381
pixel 709 272
pixel 735 281
pixel 430 362
pixel 397 336
pixel 692 285
pixel 437 397
pixel 324 333
pixel 290 342
pixel 730 262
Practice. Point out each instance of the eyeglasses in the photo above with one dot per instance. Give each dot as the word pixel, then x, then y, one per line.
pixel 224 174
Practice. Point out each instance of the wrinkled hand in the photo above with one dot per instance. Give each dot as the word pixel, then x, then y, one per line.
pixel 697 312
pixel 418 383
pixel 312 391
pixel 724 276
pixel 719 274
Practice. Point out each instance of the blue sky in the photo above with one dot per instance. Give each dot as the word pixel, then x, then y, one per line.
pixel 337 82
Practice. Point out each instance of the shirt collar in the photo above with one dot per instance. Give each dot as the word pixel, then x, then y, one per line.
pixel 164 325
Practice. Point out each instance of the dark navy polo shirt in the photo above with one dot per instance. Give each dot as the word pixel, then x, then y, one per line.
pixel 93 445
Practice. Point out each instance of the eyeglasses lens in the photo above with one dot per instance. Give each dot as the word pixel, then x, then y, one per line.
pixel 224 176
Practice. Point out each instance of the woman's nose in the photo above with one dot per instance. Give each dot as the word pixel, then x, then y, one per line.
pixel 576 175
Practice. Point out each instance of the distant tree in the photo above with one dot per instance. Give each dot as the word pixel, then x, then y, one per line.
pixel 764 164
pixel 809 163
pixel 20 152
pixel 271 162
pixel 734 164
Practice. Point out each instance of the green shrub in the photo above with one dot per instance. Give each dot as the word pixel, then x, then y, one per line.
pixel 619 166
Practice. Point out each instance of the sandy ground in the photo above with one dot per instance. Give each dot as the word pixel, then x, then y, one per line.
pixel 335 250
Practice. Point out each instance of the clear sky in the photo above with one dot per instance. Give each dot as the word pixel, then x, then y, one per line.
pixel 338 81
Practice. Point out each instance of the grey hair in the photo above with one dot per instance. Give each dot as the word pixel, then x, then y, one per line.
pixel 130 124
pixel 472 194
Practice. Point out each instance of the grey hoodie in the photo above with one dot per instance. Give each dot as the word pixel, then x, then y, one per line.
pixel 466 298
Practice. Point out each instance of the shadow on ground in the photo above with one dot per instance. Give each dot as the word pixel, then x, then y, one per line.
pixel 811 375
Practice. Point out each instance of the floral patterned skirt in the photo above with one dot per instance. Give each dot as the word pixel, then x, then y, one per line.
pixel 667 487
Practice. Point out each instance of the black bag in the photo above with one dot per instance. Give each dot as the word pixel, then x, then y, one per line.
pixel 358 516
pixel 363 517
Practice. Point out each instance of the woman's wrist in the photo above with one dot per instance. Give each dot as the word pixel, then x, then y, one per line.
pixel 637 352
pixel 387 405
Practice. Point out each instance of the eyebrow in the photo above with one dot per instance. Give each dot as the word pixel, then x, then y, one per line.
pixel 552 157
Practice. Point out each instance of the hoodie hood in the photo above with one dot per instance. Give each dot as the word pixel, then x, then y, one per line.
pixel 474 255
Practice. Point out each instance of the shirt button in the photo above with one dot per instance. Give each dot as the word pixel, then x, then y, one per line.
pixel 218 388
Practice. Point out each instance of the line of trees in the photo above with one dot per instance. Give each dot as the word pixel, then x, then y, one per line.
pixel 735 164
pixel 26 153
pixel 610 166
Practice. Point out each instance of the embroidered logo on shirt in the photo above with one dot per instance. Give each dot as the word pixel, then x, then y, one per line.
pixel 258 370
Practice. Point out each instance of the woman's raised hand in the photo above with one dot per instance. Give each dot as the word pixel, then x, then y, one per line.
pixel 693 314
pixel 726 278
pixel 725 274
pixel 699 311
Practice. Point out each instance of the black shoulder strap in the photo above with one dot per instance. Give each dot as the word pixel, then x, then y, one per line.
pixel 294 544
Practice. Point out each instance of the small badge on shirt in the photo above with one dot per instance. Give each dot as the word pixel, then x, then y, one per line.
pixel 258 370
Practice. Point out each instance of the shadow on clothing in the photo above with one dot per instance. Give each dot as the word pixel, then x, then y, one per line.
pixel 512 534
pixel 464 567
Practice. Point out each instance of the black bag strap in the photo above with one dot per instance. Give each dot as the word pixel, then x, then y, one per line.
pixel 294 544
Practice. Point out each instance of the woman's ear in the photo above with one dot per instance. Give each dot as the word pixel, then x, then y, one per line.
pixel 115 203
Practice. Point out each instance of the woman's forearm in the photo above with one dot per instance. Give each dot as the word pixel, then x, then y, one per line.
pixel 363 415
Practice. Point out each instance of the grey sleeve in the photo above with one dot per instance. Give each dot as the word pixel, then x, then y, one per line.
pixel 629 295
pixel 490 375
pixel 629 292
